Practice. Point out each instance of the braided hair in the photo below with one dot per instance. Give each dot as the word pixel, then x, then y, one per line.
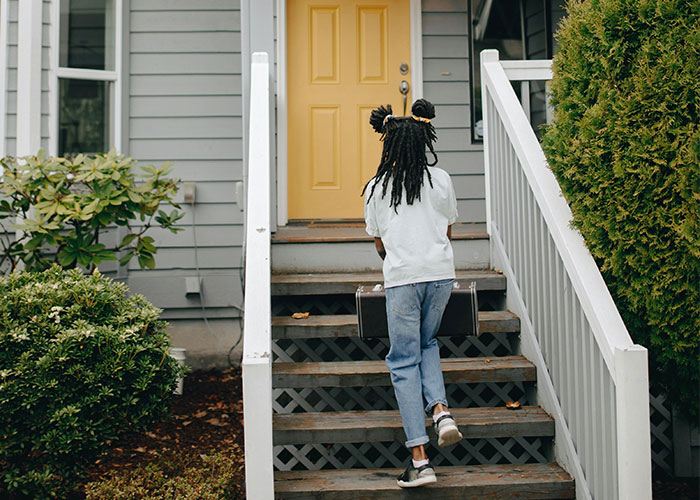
pixel 403 158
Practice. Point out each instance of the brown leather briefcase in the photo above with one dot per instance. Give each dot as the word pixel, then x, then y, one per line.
pixel 460 317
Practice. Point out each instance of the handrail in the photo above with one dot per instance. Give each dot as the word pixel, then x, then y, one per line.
pixel 257 348
pixel 609 329
pixel 522 191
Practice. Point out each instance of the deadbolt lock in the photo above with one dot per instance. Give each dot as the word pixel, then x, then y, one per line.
pixel 403 68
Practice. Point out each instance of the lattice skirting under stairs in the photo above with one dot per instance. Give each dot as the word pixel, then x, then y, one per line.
pixel 515 450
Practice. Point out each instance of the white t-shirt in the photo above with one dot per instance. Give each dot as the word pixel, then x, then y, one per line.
pixel 415 236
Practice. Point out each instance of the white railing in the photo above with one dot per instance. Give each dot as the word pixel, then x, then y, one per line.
pixel 257 350
pixel 591 377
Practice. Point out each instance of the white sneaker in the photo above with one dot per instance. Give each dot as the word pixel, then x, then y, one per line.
pixel 447 431
pixel 412 477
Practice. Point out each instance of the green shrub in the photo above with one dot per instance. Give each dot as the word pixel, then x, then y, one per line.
pixel 80 363
pixel 66 205
pixel 625 147
pixel 215 477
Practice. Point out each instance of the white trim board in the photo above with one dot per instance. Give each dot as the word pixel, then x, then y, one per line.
pixel 29 20
pixel 281 97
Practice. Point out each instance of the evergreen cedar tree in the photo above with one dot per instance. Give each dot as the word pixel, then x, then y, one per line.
pixel 403 160
pixel 625 146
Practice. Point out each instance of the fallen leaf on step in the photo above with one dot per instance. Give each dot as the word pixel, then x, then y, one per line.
pixel 513 405
pixel 487 361
pixel 300 315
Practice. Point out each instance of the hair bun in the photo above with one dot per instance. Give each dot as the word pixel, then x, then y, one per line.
pixel 376 119
pixel 424 109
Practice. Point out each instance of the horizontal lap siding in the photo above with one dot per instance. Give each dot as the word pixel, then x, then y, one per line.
pixel 185 106
pixel 446 85
pixel 45 70
pixel 11 97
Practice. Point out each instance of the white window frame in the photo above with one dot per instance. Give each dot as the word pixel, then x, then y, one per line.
pixel 114 77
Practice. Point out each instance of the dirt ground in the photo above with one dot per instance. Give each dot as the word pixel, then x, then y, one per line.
pixel 209 417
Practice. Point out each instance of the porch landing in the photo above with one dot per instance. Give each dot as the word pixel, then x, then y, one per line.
pixel 328 231
pixel 344 246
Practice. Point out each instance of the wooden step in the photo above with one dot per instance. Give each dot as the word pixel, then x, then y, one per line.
pixel 375 373
pixel 343 232
pixel 339 283
pixel 383 426
pixel 527 481
pixel 345 325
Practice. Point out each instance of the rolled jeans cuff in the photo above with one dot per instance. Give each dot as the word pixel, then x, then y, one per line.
pixel 417 441
pixel 432 404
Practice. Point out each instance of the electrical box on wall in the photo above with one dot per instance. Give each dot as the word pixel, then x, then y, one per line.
pixel 188 192
pixel 193 285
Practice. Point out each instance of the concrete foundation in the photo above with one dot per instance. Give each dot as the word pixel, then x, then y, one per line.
pixel 208 348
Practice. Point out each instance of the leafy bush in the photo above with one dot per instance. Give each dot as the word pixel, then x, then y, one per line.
pixel 215 477
pixel 65 206
pixel 80 363
pixel 625 147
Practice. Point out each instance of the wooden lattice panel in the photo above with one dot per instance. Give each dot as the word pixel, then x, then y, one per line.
pixel 514 450
pixel 382 398
pixel 356 349
pixel 661 432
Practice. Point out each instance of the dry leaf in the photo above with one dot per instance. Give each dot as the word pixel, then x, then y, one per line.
pixel 141 449
pixel 487 361
pixel 186 423
pixel 200 414
pixel 215 421
pixel 300 315
pixel 513 405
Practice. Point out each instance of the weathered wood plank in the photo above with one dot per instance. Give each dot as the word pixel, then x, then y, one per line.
pixel 345 325
pixel 527 481
pixel 314 232
pixel 327 283
pixel 383 426
pixel 375 373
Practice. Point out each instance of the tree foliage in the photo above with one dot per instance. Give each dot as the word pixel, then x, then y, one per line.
pixel 625 147
pixel 64 206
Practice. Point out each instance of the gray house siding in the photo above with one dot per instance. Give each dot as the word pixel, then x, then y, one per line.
pixel 184 105
pixel 11 118
pixel 446 84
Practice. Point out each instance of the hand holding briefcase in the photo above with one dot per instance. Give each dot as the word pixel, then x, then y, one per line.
pixel 460 317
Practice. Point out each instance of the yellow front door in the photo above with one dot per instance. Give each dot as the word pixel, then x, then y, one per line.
pixel 344 58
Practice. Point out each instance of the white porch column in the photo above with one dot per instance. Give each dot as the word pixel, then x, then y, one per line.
pixel 29 77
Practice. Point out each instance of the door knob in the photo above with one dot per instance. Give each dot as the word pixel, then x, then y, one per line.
pixel 403 88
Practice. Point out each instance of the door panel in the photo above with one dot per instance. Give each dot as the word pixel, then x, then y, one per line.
pixel 343 60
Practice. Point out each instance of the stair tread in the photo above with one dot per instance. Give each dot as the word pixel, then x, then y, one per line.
pixel 375 372
pixel 345 325
pixel 547 480
pixel 320 283
pixel 355 232
pixel 383 425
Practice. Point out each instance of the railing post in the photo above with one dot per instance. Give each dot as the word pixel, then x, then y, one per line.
pixel 257 348
pixel 487 56
pixel 633 436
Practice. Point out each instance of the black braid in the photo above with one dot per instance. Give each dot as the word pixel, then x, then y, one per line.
pixel 403 158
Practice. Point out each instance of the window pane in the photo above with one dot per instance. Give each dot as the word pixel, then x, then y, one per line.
pixel 495 24
pixel 83 117
pixel 87 34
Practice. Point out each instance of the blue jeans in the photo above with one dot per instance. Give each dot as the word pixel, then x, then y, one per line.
pixel 414 313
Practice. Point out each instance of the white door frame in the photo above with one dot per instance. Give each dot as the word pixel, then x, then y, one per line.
pixel 281 100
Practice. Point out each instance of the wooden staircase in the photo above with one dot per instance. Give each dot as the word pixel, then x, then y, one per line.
pixel 334 422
